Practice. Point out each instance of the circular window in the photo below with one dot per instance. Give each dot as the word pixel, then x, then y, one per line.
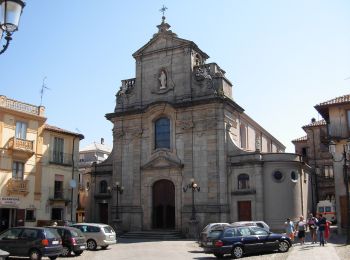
pixel 278 176
pixel 294 176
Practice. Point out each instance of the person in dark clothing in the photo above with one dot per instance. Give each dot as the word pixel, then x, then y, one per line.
pixel 321 227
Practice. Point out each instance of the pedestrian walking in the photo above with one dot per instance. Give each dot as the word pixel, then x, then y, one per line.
pixel 289 228
pixel 321 228
pixel 327 231
pixel 312 225
pixel 301 227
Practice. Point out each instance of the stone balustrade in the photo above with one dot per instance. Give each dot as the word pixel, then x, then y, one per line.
pixel 21 106
pixel 17 187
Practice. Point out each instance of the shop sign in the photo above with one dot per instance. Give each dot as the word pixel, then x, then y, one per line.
pixel 9 201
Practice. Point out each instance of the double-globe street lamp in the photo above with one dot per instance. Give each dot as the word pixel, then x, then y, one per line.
pixel 10 13
pixel 345 154
pixel 119 189
pixel 194 187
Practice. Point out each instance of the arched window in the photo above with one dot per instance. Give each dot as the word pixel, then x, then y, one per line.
pixel 162 133
pixel 243 181
pixel 103 187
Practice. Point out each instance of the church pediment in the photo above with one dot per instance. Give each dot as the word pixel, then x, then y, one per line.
pixel 165 40
pixel 162 160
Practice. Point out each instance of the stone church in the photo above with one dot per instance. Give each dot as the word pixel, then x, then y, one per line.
pixel 185 152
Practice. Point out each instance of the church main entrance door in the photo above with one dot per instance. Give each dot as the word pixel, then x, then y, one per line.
pixel 163 213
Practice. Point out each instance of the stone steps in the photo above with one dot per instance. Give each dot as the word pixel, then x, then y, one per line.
pixel 154 235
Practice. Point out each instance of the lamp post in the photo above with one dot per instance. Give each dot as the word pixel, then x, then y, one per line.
pixel 194 187
pixel 119 189
pixel 346 151
pixel 10 13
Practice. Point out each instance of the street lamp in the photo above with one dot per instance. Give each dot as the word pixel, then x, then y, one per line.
pixel 346 152
pixel 10 13
pixel 119 189
pixel 194 188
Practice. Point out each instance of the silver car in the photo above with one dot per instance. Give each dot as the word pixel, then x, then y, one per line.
pixel 97 235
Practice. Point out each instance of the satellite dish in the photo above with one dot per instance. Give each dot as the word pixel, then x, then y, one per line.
pixel 72 184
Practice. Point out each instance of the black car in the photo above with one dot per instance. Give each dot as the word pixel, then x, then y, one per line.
pixel 241 240
pixel 73 240
pixel 33 242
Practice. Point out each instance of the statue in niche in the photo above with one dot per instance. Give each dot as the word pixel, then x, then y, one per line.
pixel 162 79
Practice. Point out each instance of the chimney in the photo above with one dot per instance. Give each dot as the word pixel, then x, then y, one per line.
pixel 102 141
pixel 313 120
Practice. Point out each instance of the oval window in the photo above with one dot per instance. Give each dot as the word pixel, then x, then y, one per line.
pixel 294 176
pixel 278 176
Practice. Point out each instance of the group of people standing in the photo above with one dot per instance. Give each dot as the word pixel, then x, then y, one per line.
pixel 318 225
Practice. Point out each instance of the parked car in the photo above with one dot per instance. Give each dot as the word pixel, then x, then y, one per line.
pixel 32 242
pixel 240 240
pixel 73 240
pixel 97 235
pixel 257 223
pixel 204 234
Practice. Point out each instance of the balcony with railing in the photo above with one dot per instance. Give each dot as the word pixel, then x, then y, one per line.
pixel 21 146
pixel 57 157
pixel 17 187
pixel 59 195
pixel 21 106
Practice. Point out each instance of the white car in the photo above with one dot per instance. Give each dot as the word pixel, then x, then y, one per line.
pixel 257 223
pixel 97 235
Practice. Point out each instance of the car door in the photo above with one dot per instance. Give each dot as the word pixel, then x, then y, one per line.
pixel 27 240
pixel 266 241
pixel 9 240
pixel 249 239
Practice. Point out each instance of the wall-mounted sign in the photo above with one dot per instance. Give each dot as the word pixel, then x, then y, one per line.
pixel 9 201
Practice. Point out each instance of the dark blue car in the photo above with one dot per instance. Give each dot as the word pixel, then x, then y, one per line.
pixel 238 241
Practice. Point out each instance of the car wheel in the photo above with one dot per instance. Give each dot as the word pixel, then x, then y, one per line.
pixel 65 251
pixel 77 253
pixel 35 255
pixel 219 255
pixel 91 244
pixel 283 246
pixel 104 247
pixel 237 252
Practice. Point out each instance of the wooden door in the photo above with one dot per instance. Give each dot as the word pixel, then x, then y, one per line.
pixel 103 208
pixel 343 211
pixel 244 210
pixel 163 205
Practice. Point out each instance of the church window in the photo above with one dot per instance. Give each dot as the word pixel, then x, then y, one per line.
pixel 162 133
pixel 294 176
pixel 103 187
pixel 278 176
pixel 243 181
pixel 243 132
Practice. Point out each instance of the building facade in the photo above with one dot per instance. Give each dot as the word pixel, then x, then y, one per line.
pixel 37 166
pixel 178 127
pixel 94 153
pixel 336 113
pixel 314 149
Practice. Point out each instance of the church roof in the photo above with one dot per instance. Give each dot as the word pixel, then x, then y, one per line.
pixel 95 146
pixel 165 32
pixel 322 108
pixel 300 139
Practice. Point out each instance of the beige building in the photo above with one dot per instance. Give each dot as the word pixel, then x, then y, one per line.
pixel 314 149
pixel 177 124
pixel 336 112
pixel 37 165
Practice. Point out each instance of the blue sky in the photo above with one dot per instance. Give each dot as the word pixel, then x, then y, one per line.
pixel 282 56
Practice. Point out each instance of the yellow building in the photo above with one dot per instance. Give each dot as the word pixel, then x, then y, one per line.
pixel 38 167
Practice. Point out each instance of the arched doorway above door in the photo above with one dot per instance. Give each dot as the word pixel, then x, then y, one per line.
pixel 163 206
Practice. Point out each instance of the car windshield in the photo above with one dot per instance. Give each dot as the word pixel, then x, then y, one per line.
pixel 108 229
pixel 215 234
pixel 76 233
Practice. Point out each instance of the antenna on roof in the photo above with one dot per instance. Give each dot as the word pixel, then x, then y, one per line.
pixel 43 87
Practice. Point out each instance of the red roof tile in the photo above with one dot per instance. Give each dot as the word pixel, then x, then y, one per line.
pixel 334 101
pixel 63 131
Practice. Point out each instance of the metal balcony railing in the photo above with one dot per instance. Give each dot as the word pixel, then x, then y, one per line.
pixel 61 158
pixel 59 194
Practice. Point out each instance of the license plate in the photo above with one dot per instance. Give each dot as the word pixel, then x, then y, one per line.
pixel 82 247
pixel 55 242
pixel 209 243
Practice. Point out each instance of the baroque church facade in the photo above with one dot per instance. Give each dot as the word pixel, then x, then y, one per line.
pixel 176 127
